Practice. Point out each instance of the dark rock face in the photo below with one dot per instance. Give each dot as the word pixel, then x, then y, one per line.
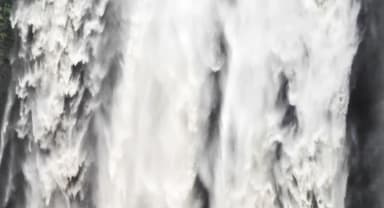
pixel 12 181
pixel 6 35
pixel 366 112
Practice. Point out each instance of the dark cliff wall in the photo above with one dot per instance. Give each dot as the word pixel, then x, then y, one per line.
pixel 6 43
pixel 12 151
pixel 366 112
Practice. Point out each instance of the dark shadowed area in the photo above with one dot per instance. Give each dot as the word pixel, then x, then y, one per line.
pixel 366 112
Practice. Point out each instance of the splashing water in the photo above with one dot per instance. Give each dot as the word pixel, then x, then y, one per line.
pixel 180 103
pixel 55 78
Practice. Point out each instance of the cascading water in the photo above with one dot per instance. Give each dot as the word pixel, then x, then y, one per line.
pixel 180 103
pixel 56 82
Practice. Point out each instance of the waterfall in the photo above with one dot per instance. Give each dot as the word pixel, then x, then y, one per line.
pixel 56 83
pixel 179 103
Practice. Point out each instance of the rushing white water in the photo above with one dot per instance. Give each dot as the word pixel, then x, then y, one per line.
pixel 151 146
pixel 312 44
pixel 237 103
pixel 55 77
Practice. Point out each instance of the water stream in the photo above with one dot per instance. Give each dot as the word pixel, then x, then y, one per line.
pixel 179 103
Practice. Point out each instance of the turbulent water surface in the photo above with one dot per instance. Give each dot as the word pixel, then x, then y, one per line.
pixel 191 104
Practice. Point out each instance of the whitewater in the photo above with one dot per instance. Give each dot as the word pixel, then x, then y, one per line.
pixel 179 103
